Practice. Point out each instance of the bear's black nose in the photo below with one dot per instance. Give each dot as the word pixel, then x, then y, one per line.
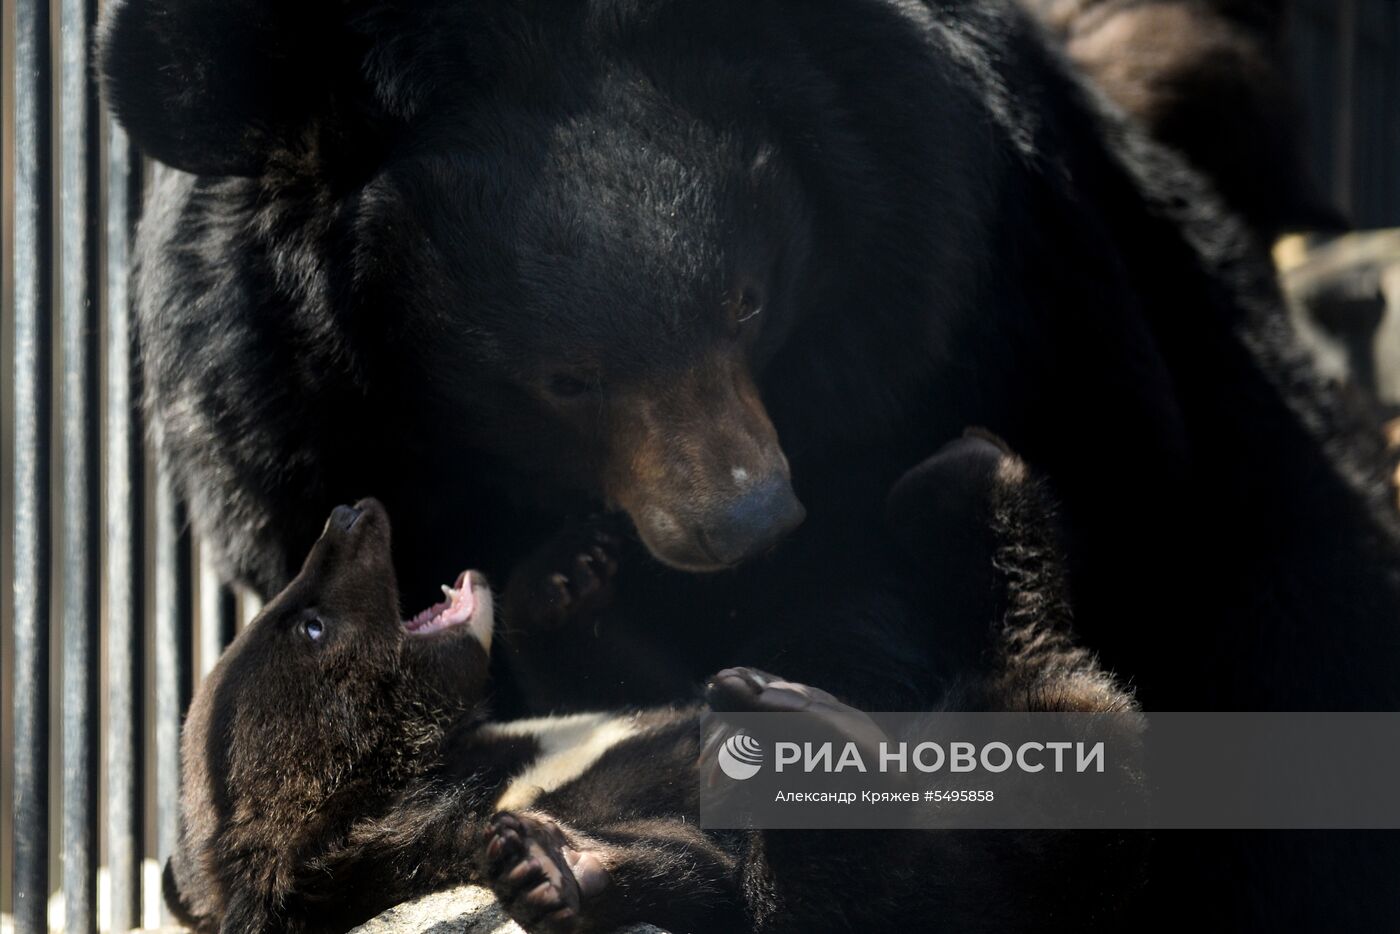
pixel 345 517
pixel 755 522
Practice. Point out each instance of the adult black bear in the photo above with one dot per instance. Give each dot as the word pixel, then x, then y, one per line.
pixel 339 761
pixel 497 262
pixel 578 252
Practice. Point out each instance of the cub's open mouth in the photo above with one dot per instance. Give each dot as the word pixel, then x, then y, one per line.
pixel 468 601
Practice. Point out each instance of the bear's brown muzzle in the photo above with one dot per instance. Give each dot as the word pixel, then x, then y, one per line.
pixel 698 467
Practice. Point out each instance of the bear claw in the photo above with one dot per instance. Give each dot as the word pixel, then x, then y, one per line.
pixel 569 578
pixel 538 877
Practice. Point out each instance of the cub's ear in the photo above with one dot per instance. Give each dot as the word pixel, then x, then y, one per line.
pixel 215 87
pixel 174 900
pixel 246 914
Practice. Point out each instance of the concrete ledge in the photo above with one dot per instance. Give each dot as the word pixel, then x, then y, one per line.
pixel 466 910
pixel 470 909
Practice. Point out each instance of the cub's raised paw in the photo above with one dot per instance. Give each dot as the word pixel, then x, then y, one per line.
pixel 945 505
pixel 566 580
pixel 750 690
pixel 820 717
pixel 541 881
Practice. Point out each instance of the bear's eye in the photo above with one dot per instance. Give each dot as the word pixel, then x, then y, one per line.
pixel 313 628
pixel 744 307
pixel 568 386
pixel 749 305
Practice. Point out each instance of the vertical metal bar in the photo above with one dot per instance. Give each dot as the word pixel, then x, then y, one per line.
pixel 1348 36
pixel 228 616
pixel 217 612
pixel 249 606
pixel 1392 110
pixel 125 545
pixel 33 248
pixel 1314 45
pixel 173 625
pixel 78 328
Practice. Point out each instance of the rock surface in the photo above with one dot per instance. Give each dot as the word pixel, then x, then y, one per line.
pixel 470 909
pixel 466 910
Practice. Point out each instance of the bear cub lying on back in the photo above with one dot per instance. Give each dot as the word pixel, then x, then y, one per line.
pixel 340 759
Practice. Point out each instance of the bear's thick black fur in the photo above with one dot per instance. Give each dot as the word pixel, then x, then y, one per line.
pixel 500 263
pixel 339 761
pixel 566 253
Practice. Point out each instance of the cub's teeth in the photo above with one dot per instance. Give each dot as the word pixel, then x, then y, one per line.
pixel 449 592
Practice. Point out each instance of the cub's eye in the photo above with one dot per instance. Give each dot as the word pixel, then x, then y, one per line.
pixel 313 629
pixel 568 386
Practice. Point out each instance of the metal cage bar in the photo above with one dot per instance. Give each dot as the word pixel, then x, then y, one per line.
pixel 81 504
pixel 33 256
pixel 218 613
pixel 173 644
pixel 1344 139
pixel 124 547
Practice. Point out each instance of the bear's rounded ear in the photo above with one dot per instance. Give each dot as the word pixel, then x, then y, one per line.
pixel 214 87
pixel 174 898
pixel 245 914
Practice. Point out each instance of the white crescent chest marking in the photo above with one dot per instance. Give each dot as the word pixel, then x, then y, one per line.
pixel 569 746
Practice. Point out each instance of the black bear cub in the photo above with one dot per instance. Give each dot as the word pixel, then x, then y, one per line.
pixel 340 759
